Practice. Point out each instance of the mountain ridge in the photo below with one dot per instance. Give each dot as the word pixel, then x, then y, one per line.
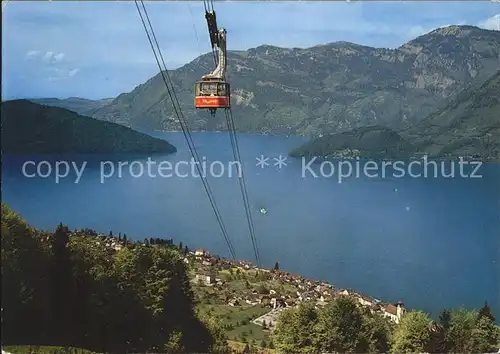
pixel 322 89
pixel 82 106
pixel 31 128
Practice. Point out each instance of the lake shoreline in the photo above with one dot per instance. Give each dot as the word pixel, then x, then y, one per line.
pixel 369 234
pixel 417 156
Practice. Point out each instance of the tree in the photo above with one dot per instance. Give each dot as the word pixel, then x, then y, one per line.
pixel 262 289
pixel 24 275
pixel 445 319
pixel 174 344
pixel 376 334
pixel 412 334
pixel 460 332
pixel 340 326
pixel 295 330
pixel 485 311
pixel 243 337
pixel 219 337
pixel 486 336
pixel 62 284
pixel 440 339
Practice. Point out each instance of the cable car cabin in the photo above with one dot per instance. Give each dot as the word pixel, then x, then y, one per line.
pixel 212 94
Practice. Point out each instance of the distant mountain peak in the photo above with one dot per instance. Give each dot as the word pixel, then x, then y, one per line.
pixel 462 37
pixel 272 48
pixel 456 30
pixel 322 89
pixel 344 44
pixel 264 47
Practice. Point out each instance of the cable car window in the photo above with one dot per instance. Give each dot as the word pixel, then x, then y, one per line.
pixel 209 88
pixel 222 89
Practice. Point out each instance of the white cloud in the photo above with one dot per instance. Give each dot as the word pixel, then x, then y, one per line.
pixel 492 23
pixel 73 72
pixel 52 58
pixel 47 56
pixel 55 73
pixel 58 57
pixel 32 54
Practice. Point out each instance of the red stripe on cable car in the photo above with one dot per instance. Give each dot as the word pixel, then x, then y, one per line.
pixel 211 102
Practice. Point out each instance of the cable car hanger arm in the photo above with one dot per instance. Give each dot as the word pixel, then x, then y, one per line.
pixel 220 71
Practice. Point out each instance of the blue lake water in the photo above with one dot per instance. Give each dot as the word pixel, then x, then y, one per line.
pixel 430 242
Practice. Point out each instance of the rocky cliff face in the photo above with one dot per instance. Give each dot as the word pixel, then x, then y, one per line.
pixel 468 126
pixel 323 89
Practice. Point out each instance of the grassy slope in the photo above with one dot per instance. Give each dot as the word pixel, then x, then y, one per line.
pixel 27 349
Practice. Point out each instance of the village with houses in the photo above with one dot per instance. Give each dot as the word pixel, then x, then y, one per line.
pixel 248 299
pixel 226 287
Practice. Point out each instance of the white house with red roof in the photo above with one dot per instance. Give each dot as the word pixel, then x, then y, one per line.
pixel 394 312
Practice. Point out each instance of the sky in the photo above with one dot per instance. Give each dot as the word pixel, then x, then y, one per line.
pixel 99 49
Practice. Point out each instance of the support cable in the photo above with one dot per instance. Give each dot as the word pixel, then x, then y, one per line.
pixel 243 188
pixel 185 129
